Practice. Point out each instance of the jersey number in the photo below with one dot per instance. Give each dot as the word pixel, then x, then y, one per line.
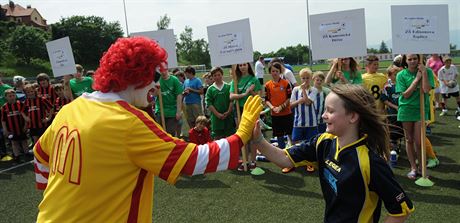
pixel 375 90
pixel 67 154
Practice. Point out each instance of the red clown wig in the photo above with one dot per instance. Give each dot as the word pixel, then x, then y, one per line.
pixel 129 61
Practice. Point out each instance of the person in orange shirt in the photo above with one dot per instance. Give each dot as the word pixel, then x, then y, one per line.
pixel 277 96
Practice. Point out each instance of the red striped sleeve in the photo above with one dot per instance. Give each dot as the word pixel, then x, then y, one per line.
pixel 235 146
pixel 189 166
pixel 39 151
pixel 214 156
pixel 172 159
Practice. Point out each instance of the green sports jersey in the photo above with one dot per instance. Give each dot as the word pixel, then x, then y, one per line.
pixel 409 108
pixel 3 88
pixel 357 79
pixel 243 84
pixel 170 88
pixel 220 99
pixel 80 87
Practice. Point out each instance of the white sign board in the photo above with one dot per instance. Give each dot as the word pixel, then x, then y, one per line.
pixel 338 34
pixel 420 29
pixel 165 38
pixel 230 43
pixel 61 57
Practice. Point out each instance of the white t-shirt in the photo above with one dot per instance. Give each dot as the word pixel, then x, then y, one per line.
pixel 447 74
pixel 288 75
pixel 260 69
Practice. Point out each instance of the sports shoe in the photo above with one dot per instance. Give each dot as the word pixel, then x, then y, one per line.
pixel 428 130
pixel 252 165
pixel 443 113
pixel 310 169
pixel 288 169
pixel 412 175
pixel 241 167
pixel 457 113
pixel 6 158
pixel 432 163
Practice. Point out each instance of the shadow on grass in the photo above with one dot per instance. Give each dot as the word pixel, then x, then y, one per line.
pixel 292 180
pixel 199 182
pixel 442 139
pixel 293 192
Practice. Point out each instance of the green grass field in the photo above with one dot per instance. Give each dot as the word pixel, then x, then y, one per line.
pixel 233 196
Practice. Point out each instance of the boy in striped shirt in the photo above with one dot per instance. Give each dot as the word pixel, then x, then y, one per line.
pixel 39 111
pixel 13 123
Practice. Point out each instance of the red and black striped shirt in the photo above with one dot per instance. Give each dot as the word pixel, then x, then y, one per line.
pixel 36 109
pixel 59 102
pixel 11 115
pixel 47 92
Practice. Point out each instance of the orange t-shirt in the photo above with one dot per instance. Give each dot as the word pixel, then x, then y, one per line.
pixel 277 93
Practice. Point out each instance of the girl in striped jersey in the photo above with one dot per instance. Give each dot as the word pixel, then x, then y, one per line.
pixel 13 123
pixel 39 111
pixel 303 103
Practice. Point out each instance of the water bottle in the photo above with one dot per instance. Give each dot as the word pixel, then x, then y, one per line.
pixel 261 158
pixel 393 158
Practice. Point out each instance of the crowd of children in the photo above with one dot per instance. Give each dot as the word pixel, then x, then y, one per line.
pixel 210 111
pixel 29 107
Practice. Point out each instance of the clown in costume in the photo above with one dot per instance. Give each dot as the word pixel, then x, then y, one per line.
pixel 97 160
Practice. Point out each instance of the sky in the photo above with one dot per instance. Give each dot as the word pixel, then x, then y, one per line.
pixel 274 23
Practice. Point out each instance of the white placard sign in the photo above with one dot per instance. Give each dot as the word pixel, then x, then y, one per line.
pixel 166 40
pixel 420 29
pixel 61 57
pixel 230 43
pixel 338 34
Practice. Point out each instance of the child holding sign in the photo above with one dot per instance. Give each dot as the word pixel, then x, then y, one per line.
pixel 408 83
pixel 344 71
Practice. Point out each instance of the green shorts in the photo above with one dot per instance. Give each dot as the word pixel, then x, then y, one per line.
pixel 411 114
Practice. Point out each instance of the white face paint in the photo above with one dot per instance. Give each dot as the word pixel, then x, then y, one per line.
pixel 137 97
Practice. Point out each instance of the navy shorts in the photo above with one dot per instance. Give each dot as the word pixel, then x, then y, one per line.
pixel 303 133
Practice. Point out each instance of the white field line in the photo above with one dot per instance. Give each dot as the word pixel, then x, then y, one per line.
pixel 14 167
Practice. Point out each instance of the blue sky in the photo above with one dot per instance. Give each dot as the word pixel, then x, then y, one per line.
pixel 274 23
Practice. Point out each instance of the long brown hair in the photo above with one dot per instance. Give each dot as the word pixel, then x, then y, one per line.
pixel 239 74
pixel 371 122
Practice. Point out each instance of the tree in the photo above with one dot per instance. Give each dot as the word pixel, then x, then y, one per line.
pixel 452 46
pixel 372 50
pixel 383 48
pixel 90 36
pixel 192 51
pixel 27 42
pixel 256 55
pixel 164 22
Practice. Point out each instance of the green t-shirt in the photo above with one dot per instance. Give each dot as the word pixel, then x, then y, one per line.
pixel 3 88
pixel 220 99
pixel 243 84
pixel 409 108
pixel 169 90
pixel 80 87
pixel 347 74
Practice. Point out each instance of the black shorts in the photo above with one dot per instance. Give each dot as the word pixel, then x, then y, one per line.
pixel 37 131
pixel 20 137
pixel 261 81
pixel 282 125
pixel 448 95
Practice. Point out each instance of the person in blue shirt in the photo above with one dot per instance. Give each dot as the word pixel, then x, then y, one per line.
pixel 193 89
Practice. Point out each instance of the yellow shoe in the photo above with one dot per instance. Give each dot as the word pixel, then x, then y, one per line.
pixel 6 158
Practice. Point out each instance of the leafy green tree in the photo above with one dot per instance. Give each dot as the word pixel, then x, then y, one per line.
pixel 90 36
pixel 164 22
pixel 28 42
pixel 192 51
pixel 256 55
pixel 372 50
pixel 452 46
pixel 383 48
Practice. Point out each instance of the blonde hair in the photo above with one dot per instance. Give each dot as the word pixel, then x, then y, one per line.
pixel 305 71
pixel 319 74
pixel 202 120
